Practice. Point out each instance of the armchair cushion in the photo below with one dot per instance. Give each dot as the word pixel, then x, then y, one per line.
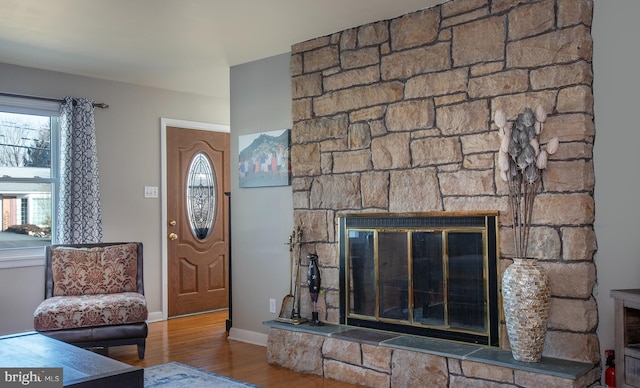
pixel 96 270
pixel 71 312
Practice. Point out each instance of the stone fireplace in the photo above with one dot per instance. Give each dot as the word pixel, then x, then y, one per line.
pixel 396 117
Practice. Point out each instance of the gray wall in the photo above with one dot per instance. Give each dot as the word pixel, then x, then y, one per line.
pixel 616 153
pixel 262 218
pixel 128 138
pixel 129 152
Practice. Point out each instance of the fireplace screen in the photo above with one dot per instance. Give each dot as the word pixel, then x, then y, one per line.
pixel 426 275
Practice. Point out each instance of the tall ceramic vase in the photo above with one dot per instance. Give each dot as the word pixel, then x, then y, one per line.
pixel 525 298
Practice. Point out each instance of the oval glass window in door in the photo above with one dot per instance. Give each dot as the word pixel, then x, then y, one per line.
pixel 201 196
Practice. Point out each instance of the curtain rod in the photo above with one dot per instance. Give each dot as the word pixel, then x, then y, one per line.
pixel 95 104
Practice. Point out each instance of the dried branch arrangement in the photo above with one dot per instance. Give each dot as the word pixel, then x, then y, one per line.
pixel 521 160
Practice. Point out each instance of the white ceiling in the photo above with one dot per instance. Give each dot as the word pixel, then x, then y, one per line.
pixel 181 45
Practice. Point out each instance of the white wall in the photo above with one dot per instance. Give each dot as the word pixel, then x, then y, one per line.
pixel 128 138
pixel 261 218
pixel 616 153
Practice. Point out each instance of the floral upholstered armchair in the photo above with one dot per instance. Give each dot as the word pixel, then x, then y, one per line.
pixel 94 295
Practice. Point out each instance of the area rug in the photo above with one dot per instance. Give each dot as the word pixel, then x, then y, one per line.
pixel 177 375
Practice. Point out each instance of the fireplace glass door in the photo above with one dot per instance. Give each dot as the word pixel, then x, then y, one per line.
pixel 433 278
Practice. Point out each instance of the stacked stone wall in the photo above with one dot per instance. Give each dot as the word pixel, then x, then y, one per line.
pixel 396 116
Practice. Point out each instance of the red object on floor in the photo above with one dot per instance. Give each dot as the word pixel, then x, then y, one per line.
pixel 610 373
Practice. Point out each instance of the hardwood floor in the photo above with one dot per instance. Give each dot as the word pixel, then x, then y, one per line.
pixel 201 341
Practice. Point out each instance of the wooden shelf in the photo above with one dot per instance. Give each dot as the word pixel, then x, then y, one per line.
pixel 627 337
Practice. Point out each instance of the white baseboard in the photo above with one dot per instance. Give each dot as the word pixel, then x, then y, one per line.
pixel 155 316
pixel 247 336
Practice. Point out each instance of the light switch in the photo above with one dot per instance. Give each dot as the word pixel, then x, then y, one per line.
pixel 151 192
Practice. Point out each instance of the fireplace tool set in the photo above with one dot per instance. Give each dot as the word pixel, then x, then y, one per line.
pixel 290 309
pixel 287 302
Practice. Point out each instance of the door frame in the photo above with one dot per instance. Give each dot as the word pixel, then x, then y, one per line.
pixel 164 123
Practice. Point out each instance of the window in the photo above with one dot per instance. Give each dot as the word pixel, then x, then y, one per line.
pixel 28 174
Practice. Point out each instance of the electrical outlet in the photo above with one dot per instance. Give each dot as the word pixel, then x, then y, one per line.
pixel 272 306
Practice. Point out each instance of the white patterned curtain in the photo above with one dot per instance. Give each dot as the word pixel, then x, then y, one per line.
pixel 79 214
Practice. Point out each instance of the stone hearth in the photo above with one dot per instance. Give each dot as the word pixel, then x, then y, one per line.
pixel 396 116
pixel 378 359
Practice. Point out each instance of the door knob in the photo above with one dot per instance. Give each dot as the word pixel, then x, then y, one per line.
pixel 173 236
pixel 172 223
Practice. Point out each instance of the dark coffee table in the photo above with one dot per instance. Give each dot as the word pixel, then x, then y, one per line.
pixel 81 368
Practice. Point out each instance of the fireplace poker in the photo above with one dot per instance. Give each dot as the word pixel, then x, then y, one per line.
pixel 295 314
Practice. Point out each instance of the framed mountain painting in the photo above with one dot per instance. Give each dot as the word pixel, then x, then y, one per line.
pixel 263 159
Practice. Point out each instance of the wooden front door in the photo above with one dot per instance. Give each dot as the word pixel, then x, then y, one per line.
pixel 198 175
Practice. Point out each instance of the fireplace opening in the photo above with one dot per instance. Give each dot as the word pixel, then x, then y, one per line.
pixel 433 275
